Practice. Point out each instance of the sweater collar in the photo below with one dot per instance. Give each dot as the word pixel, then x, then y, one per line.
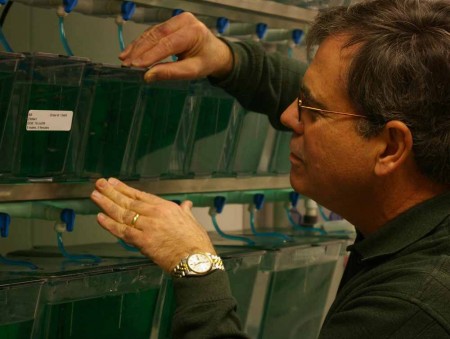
pixel 405 229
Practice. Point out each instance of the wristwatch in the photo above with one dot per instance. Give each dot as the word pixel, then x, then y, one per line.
pixel 198 264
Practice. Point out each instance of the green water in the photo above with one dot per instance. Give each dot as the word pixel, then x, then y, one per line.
pixel 20 330
pixel 212 143
pixel 296 300
pixel 107 130
pixel 110 317
pixel 280 158
pixel 242 283
pixel 41 153
pixel 157 146
pixel 6 83
pixel 250 144
pixel 165 325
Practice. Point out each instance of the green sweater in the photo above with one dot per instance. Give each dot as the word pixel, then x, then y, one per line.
pixel 397 281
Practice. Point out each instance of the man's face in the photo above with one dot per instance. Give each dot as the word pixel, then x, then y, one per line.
pixel 329 160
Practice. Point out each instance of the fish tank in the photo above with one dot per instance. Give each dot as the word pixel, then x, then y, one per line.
pixel 251 139
pixel 113 298
pixel 9 63
pixel 42 119
pixel 18 300
pixel 216 121
pixel 110 111
pixel 300 277
pixel 164 131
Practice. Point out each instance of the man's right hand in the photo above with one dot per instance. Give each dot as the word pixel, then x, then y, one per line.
pixel 200 53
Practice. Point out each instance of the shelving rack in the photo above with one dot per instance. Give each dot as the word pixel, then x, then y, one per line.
pixel 275 15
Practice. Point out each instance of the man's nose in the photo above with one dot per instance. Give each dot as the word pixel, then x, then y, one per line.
pixel 289 118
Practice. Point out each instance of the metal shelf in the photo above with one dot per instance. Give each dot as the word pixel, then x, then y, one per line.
pixel 56 191
pixel 274 14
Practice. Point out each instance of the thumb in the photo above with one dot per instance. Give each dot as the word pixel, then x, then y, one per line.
pixel 187 206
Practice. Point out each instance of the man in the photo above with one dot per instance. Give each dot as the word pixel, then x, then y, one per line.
pixel 371 141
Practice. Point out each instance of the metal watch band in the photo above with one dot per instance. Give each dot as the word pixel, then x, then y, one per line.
pixel 182 269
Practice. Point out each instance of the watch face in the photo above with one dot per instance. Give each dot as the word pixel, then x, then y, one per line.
pixel 199 263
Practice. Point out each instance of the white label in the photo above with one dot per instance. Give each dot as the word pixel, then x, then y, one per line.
pixel 43 120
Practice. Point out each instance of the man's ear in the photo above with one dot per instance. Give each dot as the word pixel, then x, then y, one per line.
pixel 396 146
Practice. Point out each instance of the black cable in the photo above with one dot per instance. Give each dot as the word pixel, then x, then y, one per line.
pixel 5 12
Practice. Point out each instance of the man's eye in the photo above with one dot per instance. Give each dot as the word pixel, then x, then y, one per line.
pixel 314 114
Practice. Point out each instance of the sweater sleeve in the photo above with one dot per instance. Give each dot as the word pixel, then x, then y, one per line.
pixel 262 82
pixel 205 308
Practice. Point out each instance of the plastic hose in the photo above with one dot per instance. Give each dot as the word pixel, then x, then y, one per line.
pixel 298 227
pixel 266 234
pixel 229 236
pixel 62 36
pixel 75 257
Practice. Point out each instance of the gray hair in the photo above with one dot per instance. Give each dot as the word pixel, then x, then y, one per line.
pixel 401 71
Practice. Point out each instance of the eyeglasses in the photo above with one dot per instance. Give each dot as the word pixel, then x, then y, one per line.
pixel 300 106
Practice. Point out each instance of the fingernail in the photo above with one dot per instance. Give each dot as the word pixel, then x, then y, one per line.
pixel 149 76
pixel 102 183
pixel 113 181
pixel 136 62
pixel 101 216
pixel 96 194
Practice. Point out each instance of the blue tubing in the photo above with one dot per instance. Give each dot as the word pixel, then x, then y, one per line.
pixel 290 52
pixel 120 35
pixel 266 234
pixel 323 215
pixel 228 236
pixel 4 42
pixel 62 36
pixel 75 257
pixel 21 263
pixel 298 227
pixel 127 247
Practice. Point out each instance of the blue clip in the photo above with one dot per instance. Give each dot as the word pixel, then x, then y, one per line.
pixel 177 11
pixel 222 24
pixel 3 2
pixel 5 221
pixel 68 217
pixel 69 5
pixel 334 216
pixel 258 200
pixel 127 10
pixel 297 35
pixel 261 30
pixel 219 203
pixel 293 198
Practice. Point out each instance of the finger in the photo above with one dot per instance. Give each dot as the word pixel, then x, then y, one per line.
pixel 120 230
pixel 152 37
pixel 126 52
pixel 145 37
pixel 187 69
pixel 108 189
pixel 132 193
pixel 117 212
pixel 186 205
pixel 183 41
pixel 179 35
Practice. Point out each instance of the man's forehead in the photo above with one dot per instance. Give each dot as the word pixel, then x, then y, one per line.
pixel 327 73
pixel 333 52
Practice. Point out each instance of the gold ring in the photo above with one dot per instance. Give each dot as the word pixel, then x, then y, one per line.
pixel 134 221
